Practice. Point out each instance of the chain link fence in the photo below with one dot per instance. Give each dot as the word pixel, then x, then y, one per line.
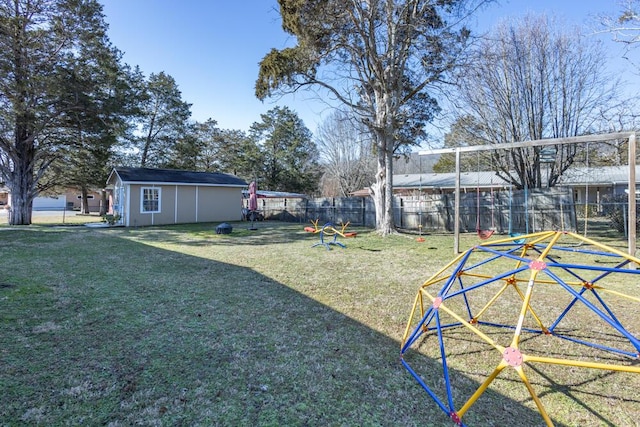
pixel 503 211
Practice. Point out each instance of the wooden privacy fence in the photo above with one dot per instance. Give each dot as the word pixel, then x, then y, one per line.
pixel 503 211
pixel 359 211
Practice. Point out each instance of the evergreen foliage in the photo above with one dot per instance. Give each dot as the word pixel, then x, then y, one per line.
pixel 382 60
pixel 287 159
pixel 49 91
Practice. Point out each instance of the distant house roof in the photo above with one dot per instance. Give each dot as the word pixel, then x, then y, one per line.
pixel 448 180
pixel 363 192
pixel 600 175
pixel 174 176
pixel 264 194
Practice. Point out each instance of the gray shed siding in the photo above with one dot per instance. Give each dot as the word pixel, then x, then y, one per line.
pixel 184 196
pixel 186 199
pixel 180 204
pixel 219 204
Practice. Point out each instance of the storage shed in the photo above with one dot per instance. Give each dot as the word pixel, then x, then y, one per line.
pixel 144 196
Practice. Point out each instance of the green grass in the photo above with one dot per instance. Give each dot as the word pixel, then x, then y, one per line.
pixel 181 326
pixel 55 218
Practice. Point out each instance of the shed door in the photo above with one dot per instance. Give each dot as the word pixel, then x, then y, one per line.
pixel 119 201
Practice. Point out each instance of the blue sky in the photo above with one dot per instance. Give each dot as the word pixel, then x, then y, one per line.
pixel 212 48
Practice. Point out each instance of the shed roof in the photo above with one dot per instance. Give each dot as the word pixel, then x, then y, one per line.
pixel 175 176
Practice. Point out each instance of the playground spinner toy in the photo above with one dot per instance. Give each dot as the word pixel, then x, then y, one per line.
pixel 329 230
pixel 546 289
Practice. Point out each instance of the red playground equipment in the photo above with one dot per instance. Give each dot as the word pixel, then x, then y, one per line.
pixel 329 230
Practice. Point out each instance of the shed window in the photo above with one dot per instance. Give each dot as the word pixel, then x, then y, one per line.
pixel 150 200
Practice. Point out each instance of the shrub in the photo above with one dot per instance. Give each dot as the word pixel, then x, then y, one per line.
pixel 111 219
pixel 615 208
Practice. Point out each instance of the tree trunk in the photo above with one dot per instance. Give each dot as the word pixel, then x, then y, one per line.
pixel 382 188
pixel 377 189
pixel 104 206
pixel 84 209
pixel 388 226
pixel 21 186
pixel 147 143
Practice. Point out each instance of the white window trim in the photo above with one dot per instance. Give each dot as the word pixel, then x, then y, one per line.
pixel 159 190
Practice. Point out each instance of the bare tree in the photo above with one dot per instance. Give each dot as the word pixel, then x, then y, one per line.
pixel 624 28
pixel 625 25
pixel 533 79
pixel 621 118
pixel 346 154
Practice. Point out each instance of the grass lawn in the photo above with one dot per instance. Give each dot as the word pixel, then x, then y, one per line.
pixel 181 326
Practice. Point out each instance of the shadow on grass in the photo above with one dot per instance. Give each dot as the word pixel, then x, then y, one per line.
pixel 266 233
pixel 103 330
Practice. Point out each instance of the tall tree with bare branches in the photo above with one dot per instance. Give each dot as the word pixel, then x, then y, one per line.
pixel 346 154
pixel 533 79
pixel 381 59
pixel 624 25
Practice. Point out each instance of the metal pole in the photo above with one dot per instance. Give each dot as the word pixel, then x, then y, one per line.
pixel 631 136
pixel 420 238
pixel 632 196
pixel 534 143
pixel 586 198
pixel 456 221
